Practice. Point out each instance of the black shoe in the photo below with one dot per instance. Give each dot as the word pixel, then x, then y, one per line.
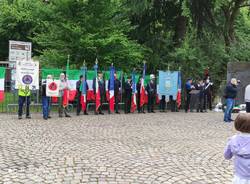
pixel 45 118
pixel 28 117
pixel 117 112
pixel 20 117
pixel 143 112
pixel 85 113
pixel 152 111
pixel 49 117
pixel 101 113
pixel 67 116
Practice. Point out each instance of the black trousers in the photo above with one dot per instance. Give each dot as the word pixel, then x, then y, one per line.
pixel 101 102
pixel 151 101
pixel 200 104
pixel 127 103
pixel 21 101
pixel 187 105
pixel 248 107
pixel 163 103
pixel 116 102
pixel 207 102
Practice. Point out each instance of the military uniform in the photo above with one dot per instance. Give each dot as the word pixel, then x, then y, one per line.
pixel 151 90
pixel 128 96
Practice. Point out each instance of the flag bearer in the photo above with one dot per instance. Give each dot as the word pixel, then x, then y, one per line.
pixel 128 95
pixel 151 90
pixel 79 88
pixel 63 96
pixel 101 90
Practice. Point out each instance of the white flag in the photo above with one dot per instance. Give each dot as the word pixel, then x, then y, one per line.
pixel 52 88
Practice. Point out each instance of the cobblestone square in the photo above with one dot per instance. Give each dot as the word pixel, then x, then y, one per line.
pixel 170 148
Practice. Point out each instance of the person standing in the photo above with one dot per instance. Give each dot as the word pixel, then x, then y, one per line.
pixel 201 88
pixel 163 103
pixel 79 88
pixel 24 97
pixel 188 87
pixel 138 89
pixel 117 86
pixel 151 90
pixel 230 95
pixel 46 100
pixel 208 93
pixel 128 95
pixel 101 85
pixel 63 96
pixel 238 146
pixel 247 98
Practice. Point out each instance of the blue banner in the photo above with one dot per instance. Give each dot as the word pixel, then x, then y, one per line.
pixel 168 83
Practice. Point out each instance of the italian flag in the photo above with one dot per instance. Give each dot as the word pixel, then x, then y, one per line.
pixel 2 77
pixel 97 90
pixel 142 91
pixel 111 89
pixel 133 102
pixel 90 93
pixel 73 77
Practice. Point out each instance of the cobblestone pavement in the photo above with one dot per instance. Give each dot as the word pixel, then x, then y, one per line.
pixel 156 148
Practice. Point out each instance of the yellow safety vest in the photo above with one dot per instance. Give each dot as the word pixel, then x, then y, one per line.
pixel 23 91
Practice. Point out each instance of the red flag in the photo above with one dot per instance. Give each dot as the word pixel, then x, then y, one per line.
pixel 133 104
pixel 111 89
pixel 142 91
pixel 178 98
pixel 65 97
pixel 84 102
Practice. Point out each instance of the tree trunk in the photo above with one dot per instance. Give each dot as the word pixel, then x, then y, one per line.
pixel 180 29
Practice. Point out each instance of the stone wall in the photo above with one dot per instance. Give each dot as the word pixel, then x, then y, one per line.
pixel 241 71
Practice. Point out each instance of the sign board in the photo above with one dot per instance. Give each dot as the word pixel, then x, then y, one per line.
pixel 52 88
pixel 27 74
pixel 19 51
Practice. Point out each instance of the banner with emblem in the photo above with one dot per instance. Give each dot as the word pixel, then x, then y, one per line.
pixel 168 83
pixel 27 74
pixel 52 88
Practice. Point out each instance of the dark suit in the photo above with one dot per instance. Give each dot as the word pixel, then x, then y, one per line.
pixel 151 90
pixel 128 96
pixel 102 89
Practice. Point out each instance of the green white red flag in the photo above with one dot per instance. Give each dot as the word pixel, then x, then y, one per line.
pixel 2 81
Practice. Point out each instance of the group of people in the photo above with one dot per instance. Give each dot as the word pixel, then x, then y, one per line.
pixel 64 87
pixel 198 95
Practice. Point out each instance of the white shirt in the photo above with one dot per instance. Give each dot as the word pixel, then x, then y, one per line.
pixel 247 94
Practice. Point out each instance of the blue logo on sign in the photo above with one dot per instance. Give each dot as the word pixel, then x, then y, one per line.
pixel 27 79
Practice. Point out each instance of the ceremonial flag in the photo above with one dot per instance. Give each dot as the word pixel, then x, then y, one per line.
pixel 90 93
pixel 111 89
pixel 97 89
pixel 133 104
pixel 2 77
pixel 142 91
pixel 52 88
pixel 178 99
pixel 84 89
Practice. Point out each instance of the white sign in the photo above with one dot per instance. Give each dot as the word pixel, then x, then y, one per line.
pixel 27 74
pixel 19 51
pixel 52 88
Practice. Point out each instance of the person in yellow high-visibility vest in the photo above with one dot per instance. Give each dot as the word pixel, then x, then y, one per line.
pixel 23 97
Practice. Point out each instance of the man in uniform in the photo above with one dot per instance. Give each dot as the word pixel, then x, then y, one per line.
pixel 24 97
pixel 128 95
pixel 188 86
pixel 151 90
pixel 138 97
pixel 101 84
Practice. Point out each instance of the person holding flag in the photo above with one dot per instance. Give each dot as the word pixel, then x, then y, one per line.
pixel 114 87
pixel 140 105
pixel 82 88
pixel 99 90
pixel 63 96
pixel 151 90
pixel 128 96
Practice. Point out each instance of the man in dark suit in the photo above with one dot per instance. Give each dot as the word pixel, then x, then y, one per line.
pixel 128 95
pixel 151 90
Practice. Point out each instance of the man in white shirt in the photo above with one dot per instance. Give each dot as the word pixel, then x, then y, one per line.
pixel 247 98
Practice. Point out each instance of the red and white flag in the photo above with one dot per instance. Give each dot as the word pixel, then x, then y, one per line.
pixel 112 89
pixel 142 90
pixel 97 90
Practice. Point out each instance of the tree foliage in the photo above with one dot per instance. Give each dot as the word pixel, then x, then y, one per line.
pixel 190 35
